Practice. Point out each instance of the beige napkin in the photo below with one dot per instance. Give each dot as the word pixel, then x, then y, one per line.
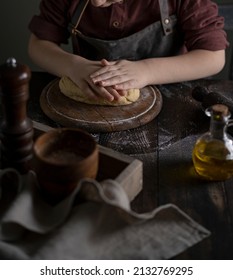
pixel 101 227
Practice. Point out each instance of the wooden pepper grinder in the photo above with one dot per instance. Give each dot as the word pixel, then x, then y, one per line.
pixel 16 128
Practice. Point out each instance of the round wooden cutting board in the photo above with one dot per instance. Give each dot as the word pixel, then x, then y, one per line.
pixel 96 118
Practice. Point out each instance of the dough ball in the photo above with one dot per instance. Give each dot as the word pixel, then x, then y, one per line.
pixel 71 90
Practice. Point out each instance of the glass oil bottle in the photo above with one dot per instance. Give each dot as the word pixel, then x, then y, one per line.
pixel 213 151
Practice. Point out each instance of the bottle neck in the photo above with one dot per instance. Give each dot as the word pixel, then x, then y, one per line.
pixel 218 129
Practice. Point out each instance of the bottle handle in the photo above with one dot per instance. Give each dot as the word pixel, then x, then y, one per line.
pixel 228 127
pixel 229 123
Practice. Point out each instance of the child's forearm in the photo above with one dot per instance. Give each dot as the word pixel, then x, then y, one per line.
pixel 51 57
pixel 190 66
pixel 55 60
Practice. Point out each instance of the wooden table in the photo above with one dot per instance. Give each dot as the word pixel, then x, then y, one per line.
pixel 165 147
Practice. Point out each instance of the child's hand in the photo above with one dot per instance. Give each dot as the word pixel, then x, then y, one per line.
pixel 121 75
pixel 93 90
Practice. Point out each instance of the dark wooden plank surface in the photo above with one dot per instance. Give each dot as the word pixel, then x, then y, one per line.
pixel 165 147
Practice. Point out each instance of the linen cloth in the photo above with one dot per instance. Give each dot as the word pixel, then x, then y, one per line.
pixel 102 226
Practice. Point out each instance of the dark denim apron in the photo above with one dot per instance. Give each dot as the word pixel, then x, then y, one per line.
pixel 159 39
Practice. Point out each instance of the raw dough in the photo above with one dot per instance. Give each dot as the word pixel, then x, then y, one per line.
pixel 71 90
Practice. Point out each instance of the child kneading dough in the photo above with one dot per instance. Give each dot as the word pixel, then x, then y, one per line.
pixel 71 90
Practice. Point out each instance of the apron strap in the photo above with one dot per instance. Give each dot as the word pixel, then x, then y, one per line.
pixel 77 16
pixel 165 18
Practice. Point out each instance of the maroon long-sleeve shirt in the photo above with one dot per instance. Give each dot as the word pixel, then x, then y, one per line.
pixel 198 20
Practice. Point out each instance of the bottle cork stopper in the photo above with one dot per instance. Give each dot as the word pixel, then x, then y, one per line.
pixel 221 109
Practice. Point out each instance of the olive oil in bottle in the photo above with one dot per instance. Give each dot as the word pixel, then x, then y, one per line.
pixel 213 151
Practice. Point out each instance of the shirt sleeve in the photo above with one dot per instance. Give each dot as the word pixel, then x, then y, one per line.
pixel 201 25
pixel 52 22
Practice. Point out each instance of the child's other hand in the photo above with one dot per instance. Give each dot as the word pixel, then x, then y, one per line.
pixel 121 75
